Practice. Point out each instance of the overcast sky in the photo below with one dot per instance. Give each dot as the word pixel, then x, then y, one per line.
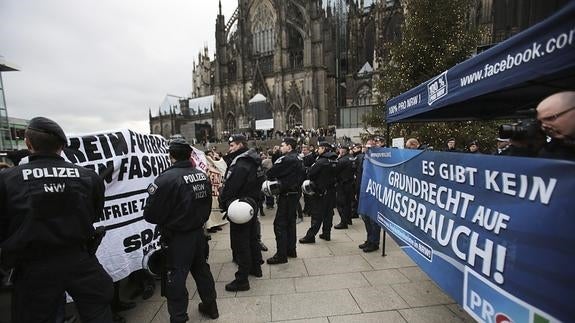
pixel 94 65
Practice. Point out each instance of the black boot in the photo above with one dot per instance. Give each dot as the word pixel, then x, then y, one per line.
pixel 364 244
pixel 277 260
pixel 370 247
pixel 325 236
pixel 340 226
pixel 210 310
pixel 256 271
pixel 307 239
pixel 237 285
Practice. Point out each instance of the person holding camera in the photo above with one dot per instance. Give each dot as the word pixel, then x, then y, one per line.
pixel 556 114
pixel 47 210
pixel 180 202
pixel 525 138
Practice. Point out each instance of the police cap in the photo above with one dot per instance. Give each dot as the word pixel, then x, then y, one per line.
pixel 179 144
pixel 325 144
pixel 290 141
pixel 48 126
pixel 237 138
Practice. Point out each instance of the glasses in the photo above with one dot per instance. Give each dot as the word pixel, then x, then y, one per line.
pixel 555 116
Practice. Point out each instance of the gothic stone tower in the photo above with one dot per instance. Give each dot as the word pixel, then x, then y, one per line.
pixel 282 49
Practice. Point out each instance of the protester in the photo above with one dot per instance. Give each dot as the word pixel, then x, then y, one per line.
pixel 412 143
pixel 451 145
pixel 473 147
pixel 501 145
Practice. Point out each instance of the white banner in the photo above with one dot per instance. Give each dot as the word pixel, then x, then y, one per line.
pixel 127 162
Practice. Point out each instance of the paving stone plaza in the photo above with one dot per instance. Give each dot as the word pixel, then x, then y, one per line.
pixel 330 281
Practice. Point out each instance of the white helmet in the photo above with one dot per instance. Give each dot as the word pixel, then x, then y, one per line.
pixel 154 262
pixel 240 211
pixel 270 188
pixel 308 187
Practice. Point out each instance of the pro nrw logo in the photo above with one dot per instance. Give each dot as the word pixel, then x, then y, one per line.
pixel 437 88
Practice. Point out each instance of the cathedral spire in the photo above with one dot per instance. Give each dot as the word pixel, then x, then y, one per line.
pixel 220 4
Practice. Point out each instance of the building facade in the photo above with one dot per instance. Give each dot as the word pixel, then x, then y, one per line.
pixel 294 53
pixel 314 63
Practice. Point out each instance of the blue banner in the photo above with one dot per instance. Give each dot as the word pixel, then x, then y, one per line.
pixel 496 233
pixel 516 73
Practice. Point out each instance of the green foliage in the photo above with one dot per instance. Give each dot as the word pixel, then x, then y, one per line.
pixel 436 35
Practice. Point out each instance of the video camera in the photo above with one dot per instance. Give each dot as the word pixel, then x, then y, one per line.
pixel 521 130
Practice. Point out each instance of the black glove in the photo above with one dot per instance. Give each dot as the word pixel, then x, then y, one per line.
pixel 95 240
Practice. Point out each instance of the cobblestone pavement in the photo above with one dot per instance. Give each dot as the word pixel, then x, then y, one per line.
pixel 330 281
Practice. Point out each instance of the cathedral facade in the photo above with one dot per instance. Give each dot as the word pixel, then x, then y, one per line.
pixel 286 51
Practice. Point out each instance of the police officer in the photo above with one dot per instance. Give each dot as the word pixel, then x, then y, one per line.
pixel 372 228
pixel 344 191
pixel 180 202
pixel 47 210
pixel 322 173
pixel 289 171
pixel 241 181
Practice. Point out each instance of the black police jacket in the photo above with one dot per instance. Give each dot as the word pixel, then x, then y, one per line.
pixel 48 205
pixel 289 171
pixel 323 172
pixel 345 169
pixel 241 178
pixel 180 199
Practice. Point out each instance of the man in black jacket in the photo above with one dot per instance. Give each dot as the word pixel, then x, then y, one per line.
pixel 241 181
pixel 289 171
pixel 557 116
pixel 322 173
pixel 344 191
pixel 47 210
pixel 180 202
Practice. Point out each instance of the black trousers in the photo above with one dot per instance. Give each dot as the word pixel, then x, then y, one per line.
pixel 40 285
pixel 344 201
pixel 246 248
pixel 187 254
pixel 285 224
pixel 321 210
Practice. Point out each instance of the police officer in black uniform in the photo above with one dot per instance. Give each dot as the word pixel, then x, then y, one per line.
pixel 323 174
pixel 241 181
pixel 180 202
pixel 357 161
pixel 344 191
pixel 289 171
pixel 47 210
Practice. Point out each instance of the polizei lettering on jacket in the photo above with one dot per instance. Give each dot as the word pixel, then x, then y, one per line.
pixel 192 178
pixel 47 172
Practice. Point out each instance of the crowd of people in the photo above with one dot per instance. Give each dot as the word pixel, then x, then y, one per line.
pixel 48 234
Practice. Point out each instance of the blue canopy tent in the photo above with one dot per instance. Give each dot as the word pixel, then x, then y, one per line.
pixel 500 82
